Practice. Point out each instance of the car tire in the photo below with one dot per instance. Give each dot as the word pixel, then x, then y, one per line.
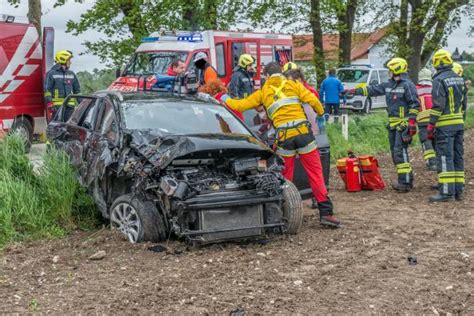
pixel 139 220
pixel 292 208
pixel 367 106
pixel 23 127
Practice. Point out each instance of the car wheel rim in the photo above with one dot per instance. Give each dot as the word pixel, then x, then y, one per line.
pixel 22 132
pixel 125 218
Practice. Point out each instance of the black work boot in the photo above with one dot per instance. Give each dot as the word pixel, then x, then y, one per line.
pixel 402 188
pixel 459 196
pixel 326 217
pixel 441 198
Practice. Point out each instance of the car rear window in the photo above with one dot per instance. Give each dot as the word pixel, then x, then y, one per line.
pixel 181 118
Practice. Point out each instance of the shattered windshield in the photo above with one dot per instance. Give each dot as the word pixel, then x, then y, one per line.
pixel 181 118
pixel 353 75
pixel 153 62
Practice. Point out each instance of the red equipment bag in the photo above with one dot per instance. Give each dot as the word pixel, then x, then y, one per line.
pixel 371 178
pixel 349 171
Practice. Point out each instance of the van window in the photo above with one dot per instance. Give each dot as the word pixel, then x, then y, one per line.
pixel 353 75
pixel 239 48
pixel 374 77
pixel 220 56
pixel 383 75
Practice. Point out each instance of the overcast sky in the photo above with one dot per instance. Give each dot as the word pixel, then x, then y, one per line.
pixel 58 17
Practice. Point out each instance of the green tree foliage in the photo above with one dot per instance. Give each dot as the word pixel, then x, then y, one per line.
pixel 97 80
pixel 419 27
pixel 125 22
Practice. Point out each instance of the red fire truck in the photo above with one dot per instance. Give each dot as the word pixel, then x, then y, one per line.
pixel 157 51
pixel 24 59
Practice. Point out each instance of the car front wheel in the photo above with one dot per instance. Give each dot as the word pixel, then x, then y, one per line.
pixel 292 208
pixel 137 219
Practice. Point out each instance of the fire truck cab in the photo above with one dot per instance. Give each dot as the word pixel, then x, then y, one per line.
pixel 24 59
pixel 223 49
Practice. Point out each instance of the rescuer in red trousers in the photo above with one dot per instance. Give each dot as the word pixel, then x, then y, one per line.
pixel 282 99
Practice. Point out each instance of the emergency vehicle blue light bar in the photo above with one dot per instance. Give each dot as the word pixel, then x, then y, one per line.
pixel 149 39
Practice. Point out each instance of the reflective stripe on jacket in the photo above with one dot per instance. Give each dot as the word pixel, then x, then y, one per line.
pixel 401 98
pixel 60 83
pixel 284 110
pixel 424 95
pixel 449 100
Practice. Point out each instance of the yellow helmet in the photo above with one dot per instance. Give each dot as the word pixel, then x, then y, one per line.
pixel 397 65
pixel 246 60
pixel 62 56
pixel 457 68
pixel 289 66
pixel 442 58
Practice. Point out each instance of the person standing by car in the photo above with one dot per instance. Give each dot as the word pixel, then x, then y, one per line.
pixel 402 107
pixel 423 88
pixel 60 82
pixel 241 83
pixel 282 100
pixel 205 72
pixel 446 127
pixel 331 88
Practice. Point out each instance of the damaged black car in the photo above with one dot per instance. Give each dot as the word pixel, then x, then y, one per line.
pixel 173 166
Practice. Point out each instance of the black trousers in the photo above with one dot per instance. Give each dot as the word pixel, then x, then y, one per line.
pixel 426 144
pixel 450 160
pixel 399 150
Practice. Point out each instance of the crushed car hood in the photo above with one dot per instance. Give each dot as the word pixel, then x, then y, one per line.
pixel 161 149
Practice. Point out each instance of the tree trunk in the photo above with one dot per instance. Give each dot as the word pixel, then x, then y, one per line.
pixel 318 54
pixel 414 58
pixel 132 11
pixel 190 15
pixel 345 26
pixel 34 14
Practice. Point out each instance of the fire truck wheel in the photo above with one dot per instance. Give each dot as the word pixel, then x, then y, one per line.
pixel 22 127
pixel 292 208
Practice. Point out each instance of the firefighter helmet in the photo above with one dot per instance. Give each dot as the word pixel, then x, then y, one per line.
pixel 457 68
pixel 62 56
pixel 290 66
pixel 425 75
pixel 397 65
pixel 246 60
pixel 199 56
pixel 442 58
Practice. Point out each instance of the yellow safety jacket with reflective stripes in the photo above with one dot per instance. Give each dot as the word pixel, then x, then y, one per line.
pixel 282 99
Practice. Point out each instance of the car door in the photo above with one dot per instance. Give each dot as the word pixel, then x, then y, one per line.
pixel 73 136
pixel 104 141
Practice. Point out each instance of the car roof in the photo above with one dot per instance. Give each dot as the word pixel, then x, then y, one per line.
pixel 149 96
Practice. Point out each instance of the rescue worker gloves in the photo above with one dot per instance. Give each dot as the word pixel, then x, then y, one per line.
pixel 397 66
pixel 412 127
pixel 289 66
pixel 442 58
pixel 430 131
pixel 246 60
pixel 425 75
pixel 457 68
pixel 62 56
pixel 221 97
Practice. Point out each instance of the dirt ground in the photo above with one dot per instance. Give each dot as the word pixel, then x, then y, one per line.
pixel 362 268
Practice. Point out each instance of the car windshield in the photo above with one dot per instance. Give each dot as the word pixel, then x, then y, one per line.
pixel 353 75
pixel 181 118
pixel 153 62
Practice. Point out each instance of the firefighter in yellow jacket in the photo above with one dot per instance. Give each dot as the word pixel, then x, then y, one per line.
pixel 282 100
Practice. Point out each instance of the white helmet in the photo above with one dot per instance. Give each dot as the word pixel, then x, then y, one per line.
pixel 199 56
pixel 424 75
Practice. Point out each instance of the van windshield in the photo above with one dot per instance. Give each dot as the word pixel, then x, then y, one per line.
pixel 153 62
pixel 353 75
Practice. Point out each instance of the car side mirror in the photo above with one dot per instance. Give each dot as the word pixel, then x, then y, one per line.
pixel 375 81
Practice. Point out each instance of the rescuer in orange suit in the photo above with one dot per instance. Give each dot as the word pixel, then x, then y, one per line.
pixel 205 72
pixel 282 99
